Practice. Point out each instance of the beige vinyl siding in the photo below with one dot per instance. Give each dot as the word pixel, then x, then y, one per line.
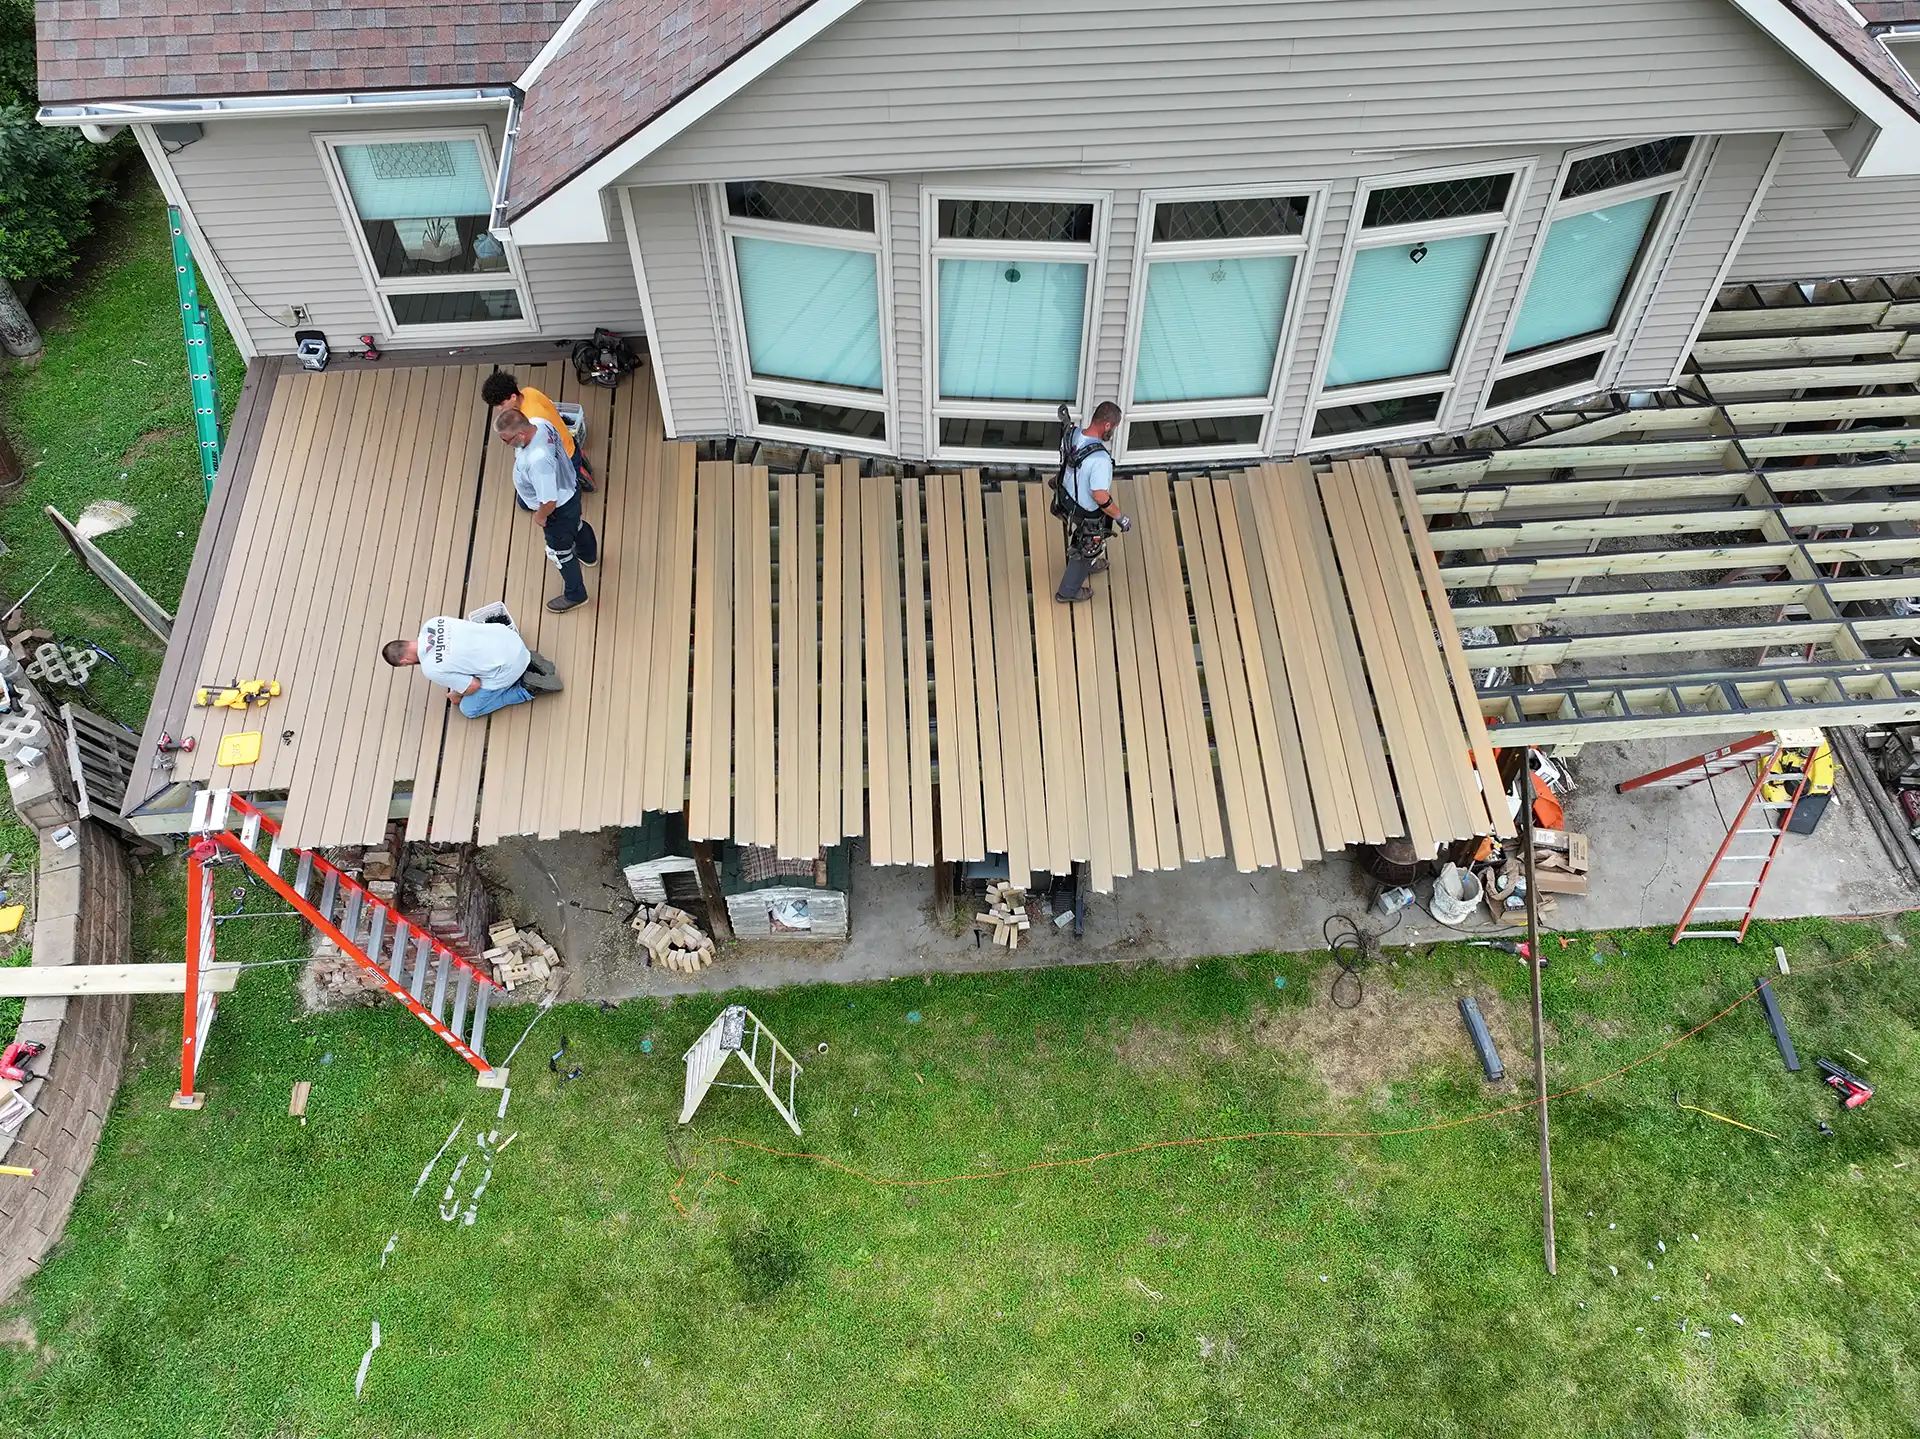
pixel 687 326
pixel 1691 271
pixel 903 86
pixel 1816 223
pixel 259 190
pixel 1110 329
pixel 910 357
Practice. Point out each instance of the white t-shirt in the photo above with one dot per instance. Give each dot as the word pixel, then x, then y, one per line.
pixel 1095 472
pixel 453 652
pixel 541 469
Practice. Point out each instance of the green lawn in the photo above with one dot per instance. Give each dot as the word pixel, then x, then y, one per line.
pixel 107 415
pixel 222 1270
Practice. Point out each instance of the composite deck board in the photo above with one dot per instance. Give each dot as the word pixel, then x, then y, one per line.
pixel 801 659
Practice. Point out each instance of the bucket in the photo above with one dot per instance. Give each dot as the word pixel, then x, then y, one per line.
pixel 1455 892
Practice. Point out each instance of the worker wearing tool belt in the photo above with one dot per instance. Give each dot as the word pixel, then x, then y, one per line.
pixel 544 482
pixel 1083 499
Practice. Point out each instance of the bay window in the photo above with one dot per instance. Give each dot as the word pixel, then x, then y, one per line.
pixel 419 204
pixel 1214 297
pixel 807 266
pixel 1011 296
pixel 1415 274
pixel 1581 284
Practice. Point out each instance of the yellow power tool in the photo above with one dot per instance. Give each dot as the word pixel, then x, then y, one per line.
pixel 236 696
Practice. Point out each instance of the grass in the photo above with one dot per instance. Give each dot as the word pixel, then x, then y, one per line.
pixel 222 1271
pixel 108 415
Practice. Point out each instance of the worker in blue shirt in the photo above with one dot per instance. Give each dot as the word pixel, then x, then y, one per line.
pixel 1086 494
pixel 545 483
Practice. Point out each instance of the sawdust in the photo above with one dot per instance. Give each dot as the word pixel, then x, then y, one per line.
pixel 1392 1033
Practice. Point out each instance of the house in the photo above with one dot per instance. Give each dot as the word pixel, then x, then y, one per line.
pixel 894 236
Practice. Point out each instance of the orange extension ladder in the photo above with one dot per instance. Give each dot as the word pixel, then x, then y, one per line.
pixel 1771 817
pixel 364 927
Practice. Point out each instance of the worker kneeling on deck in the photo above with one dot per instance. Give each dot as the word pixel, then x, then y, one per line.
pixel 544 482
pixel 485 667
pixel 1083 499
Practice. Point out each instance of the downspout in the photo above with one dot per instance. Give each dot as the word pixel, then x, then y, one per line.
pixel 497 223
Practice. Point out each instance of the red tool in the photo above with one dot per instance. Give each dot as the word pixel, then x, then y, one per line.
pixel 13 1063
pixel 1520 949
pixel 1854 1091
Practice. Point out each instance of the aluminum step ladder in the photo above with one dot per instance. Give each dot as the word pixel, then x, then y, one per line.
pixel 1724 903
pixel 412 965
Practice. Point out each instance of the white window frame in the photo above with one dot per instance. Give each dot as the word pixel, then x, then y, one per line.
pixel 749 385
pixel 1092 254
pixel 1677 187
pixel 514 277
pixel 1498 224
pixel 1303 247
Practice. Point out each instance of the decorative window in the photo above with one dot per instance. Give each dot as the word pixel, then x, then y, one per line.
pixel 1213 301
pixel 419 205
pixel 1010 299
pixel 808 269
pixel 1582 282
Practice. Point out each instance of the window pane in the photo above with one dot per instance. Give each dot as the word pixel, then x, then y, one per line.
pixel 812 313
pixel 1210 328
pixel 1402 315
pixel 1377 415
pixel 1022 220
pixel 975 434
pixel 1624 167
pixel 801 204
pixel 1442 200
pixel 1544 380
pixel 1583 269
pixel 1177 221
pixel 1220 430
pixel 1010 330
pixel 828 419
pixel 456 307
pixel 425 206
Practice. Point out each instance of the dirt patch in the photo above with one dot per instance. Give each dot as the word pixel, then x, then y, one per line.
pixel 17 1333
pixel 137 451
pixel 1393 1032
pixel 1148 1047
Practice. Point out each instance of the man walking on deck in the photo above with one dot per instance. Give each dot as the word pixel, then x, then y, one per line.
pixel 485 667
pixel 544 483
pixel 502 391
pixel 1086 483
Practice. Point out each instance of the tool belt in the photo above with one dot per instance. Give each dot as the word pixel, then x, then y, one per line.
pixel 1088 530
pixel 559 559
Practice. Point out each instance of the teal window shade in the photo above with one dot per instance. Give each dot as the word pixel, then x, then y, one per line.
pixel 1210 328
pixel 416 179
pixel 1010 329
pixel 1583 268
pixel 1403 316
pixel 812 312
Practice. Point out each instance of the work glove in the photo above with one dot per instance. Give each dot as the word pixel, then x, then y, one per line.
pixel 1123 524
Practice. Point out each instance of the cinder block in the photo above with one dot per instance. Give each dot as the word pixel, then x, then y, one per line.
pixel 40 1020
pixel 55 941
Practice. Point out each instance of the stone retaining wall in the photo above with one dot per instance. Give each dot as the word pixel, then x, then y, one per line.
pixel 84 916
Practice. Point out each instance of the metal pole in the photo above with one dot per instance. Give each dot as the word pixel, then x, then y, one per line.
pixel 1539 1023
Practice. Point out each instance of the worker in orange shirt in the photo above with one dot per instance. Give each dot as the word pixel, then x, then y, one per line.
pixel 502 392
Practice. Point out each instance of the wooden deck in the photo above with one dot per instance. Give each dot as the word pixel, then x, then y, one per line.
pixel 796 659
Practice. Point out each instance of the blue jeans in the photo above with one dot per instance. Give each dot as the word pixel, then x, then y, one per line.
pixel 485 702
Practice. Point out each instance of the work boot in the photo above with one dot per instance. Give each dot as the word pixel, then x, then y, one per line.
pixel 1085 594
pixel 560 604
pixel 540 676
pixel 1100 564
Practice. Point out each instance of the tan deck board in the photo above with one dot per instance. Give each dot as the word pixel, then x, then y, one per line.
pixel 788 690
pixel 1097 757
pixel 1142 724
pixel 979 624
pixel 1036 577
pixel 961 761
pixel 919 719
pixel 712 648
pixel 946 718
pixel 1021 735
pixel 1202 835
pixel 853 762
pixel 807 678
pixel 827 822
pixel 585 653
pixel 615 753
pixel 1112 771
pixel 673 614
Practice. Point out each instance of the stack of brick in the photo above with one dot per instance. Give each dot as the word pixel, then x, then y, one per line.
pixel 671 939
pixel 520 956
pixel 440 889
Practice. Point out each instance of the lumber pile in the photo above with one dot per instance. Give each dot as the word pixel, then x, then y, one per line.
pixel 671 938
pixel 1005 914
pixel 519 956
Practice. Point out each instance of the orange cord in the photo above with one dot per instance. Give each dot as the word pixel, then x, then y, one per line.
pixel 1091 1159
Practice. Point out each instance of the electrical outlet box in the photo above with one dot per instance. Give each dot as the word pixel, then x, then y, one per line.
pixel 299 315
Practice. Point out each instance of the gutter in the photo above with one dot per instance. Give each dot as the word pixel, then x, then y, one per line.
pixel 497 221
pixel 148 112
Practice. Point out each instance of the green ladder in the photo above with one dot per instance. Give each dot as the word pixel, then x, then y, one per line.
pixel 193 319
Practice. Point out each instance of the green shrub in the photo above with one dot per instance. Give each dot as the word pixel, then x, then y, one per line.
pixel 19 85
pixel 48 182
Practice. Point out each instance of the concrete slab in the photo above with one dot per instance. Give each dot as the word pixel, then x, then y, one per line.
pixel 1648 851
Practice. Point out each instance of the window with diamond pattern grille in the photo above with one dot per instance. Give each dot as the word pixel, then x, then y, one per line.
pixel 1442 200
pixel 1028 221
pixel 1627 167
pixel 1183 221
pixel 813 205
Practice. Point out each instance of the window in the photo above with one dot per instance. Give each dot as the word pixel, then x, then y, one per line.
pixel 1010 287
pixel 420 204
pixel 1213 299
pixel 807 264
pixel 1582 279
pixel 1415 273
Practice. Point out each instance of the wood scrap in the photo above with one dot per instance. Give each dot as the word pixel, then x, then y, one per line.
pixel 1006 914
pixel 672 939
pixel 519 956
